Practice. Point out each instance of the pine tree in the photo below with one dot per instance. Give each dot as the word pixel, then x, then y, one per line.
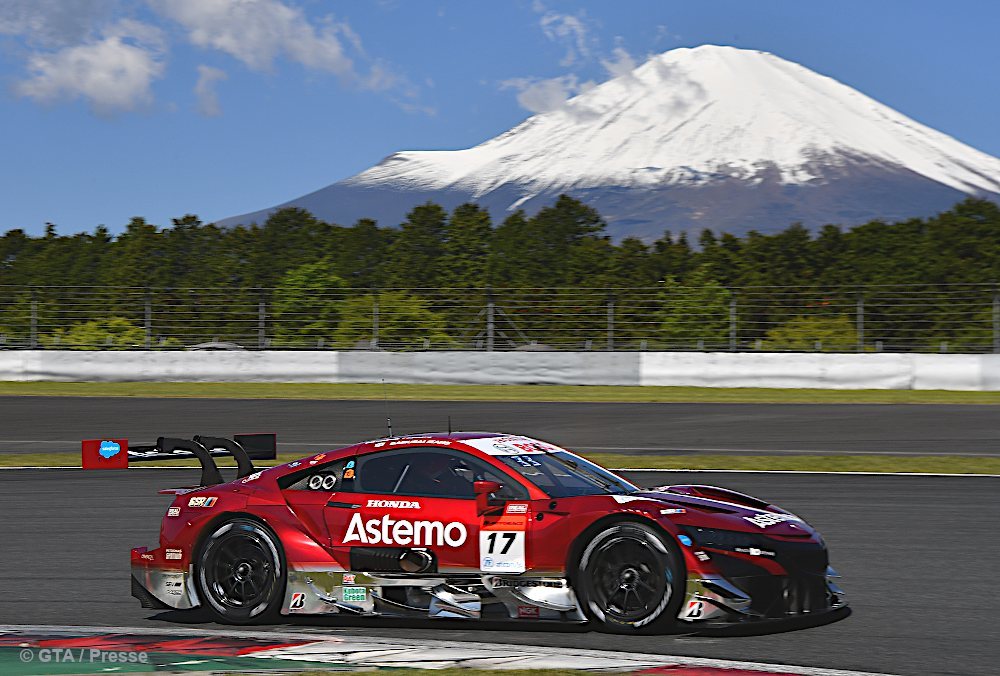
pixel 417 250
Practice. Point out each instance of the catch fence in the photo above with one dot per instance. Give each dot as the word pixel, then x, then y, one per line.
pixel 899 318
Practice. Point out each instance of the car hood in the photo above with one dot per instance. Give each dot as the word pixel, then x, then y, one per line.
pixel 712 507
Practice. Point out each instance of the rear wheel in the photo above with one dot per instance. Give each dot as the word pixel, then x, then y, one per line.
pixel 630 579
pixel 240 573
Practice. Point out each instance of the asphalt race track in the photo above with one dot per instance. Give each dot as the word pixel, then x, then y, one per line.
pixel 918 556
pixel 48 424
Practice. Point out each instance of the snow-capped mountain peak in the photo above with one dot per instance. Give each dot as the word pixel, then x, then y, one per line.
pixel 691 115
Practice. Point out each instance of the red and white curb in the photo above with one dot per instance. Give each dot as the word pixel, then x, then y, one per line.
pixel 351 652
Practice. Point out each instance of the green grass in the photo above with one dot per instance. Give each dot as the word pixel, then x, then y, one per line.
pixel 590 393
pixel 943 464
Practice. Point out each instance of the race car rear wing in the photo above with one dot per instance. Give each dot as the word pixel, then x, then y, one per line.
pixel 116 453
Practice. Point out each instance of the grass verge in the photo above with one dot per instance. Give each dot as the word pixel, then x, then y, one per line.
pixel 934 464
pixel 583 393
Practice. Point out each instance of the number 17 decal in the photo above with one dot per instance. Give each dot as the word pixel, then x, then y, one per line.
pixel 508 541
pixel 501 551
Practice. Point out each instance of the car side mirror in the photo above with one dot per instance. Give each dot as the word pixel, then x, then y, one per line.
pixel 482 490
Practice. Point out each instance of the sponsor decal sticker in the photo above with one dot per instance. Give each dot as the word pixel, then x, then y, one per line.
pixel 298 601
pixel 753 551
pixel 348 578
pixel 109 449
pixel 174 511
pixel 673 510
pixel 506 582
pixel 173 554
pixel 695 609
pixel 252 477
pixel 528 612
pixel 348 474
pixel 702 556
pixel 202 501
pixel 420 440
pixel 146 557
pixel 355 594
pixel 389 531
pixel 395 504
pixel 317 458
pixel 295 464
pixel 684 540
pixel 174 584
pixel 517 508
pixel 766 519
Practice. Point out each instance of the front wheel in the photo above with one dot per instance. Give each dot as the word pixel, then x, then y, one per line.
pixel 240 572
pixel 630 579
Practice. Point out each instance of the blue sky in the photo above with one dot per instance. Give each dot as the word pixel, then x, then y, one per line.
pixel 157 108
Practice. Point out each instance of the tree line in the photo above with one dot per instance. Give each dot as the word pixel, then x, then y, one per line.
pixel 290 259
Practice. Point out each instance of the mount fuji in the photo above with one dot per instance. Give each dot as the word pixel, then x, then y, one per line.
pixel 709 137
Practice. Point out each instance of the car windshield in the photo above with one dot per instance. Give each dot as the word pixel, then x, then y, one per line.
pixel 564 475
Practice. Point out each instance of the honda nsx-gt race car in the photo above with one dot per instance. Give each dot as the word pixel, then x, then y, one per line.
pixel 474 526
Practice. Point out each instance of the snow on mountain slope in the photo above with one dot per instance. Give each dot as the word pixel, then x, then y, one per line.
pixel 687 126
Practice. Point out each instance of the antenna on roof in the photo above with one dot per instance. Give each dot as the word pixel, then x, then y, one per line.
pixel 449 424
pixel 385 398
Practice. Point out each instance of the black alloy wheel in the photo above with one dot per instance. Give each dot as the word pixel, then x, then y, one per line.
pixel 240 573
pixel 631 579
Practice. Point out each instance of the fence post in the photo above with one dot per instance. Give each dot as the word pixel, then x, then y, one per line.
pixel 611 321
pixel 996 321
pixel 34 321
pixel 374 343
pixel 860 321
pixel 490 319
pixel 261 323
pixel 733 327
pixel 149 320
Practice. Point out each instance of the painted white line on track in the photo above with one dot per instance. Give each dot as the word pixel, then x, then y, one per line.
pixel 357 651
pixel 618 469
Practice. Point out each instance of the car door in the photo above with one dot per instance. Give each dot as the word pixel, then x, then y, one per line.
pixel 416 498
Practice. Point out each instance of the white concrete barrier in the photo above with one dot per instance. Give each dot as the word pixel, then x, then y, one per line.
pixel 181 366
pixel 700 369
pixel 492 368
pixel 778 369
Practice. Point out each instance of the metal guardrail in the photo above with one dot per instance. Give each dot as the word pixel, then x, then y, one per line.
pixel 900 318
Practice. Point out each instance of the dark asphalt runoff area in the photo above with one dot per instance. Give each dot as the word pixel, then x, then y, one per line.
pixel 52 424
pixel 918 557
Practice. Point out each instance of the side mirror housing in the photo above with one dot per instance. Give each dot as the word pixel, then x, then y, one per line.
pixel 483 490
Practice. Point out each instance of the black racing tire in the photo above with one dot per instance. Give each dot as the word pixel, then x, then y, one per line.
pixel 240 572
pixel 630 579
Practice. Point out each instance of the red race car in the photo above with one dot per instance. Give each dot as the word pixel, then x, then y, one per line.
pixel 474 526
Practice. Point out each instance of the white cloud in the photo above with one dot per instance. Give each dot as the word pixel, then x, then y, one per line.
pixel 259 31
pixel 543 95
pixel 569 30
pixel 113 73
pixel 208 100
pixel 620 63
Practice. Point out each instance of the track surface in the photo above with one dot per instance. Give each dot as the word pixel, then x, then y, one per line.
pixel 47 424
pixel 916 554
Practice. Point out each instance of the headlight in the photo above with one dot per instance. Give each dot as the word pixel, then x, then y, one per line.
pixel 722 539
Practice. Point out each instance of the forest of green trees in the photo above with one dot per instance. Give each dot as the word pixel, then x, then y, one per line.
pixel 320 282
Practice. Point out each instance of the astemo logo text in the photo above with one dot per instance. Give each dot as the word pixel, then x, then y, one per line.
pixel 389 531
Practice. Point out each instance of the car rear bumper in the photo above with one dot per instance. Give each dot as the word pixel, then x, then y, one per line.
pixel 159 582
